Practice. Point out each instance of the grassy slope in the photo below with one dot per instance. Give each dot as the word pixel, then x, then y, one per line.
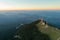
pixel 54 33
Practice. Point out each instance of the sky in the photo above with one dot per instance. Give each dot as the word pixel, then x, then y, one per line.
pixel 29 4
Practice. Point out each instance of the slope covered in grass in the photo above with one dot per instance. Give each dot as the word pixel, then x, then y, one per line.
pixel 37 30
pixel 52 31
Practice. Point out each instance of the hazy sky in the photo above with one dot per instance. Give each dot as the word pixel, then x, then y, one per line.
pixel 29 4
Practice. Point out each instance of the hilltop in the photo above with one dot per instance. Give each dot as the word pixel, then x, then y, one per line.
pixel 37 30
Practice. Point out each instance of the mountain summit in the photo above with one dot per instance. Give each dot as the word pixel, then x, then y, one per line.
pixel 37 30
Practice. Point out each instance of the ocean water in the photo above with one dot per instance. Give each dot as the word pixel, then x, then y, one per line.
pixel 9 20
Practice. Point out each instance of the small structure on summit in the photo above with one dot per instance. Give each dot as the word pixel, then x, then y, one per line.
pixel 43 23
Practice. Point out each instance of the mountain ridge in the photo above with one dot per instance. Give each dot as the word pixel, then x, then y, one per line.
pixel 37 30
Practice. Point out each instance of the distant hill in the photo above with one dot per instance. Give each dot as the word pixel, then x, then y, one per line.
pixel 38 30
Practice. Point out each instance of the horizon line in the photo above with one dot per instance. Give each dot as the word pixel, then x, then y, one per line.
pixel 27 9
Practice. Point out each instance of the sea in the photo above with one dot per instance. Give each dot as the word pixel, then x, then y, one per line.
pixel 10 20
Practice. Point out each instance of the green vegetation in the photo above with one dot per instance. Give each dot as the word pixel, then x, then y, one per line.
pixel 38 30
pixel 53 32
